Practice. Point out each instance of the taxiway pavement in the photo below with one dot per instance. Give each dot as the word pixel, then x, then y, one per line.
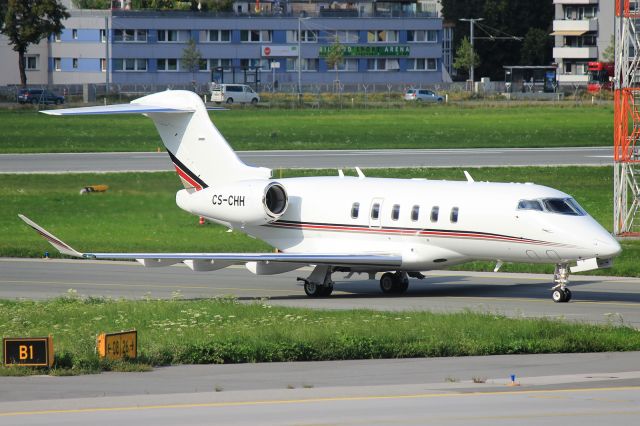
pixel 391 158
pixel 579 389
pixel 595 299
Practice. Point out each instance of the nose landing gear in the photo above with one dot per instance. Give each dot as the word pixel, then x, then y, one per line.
pixel 560 292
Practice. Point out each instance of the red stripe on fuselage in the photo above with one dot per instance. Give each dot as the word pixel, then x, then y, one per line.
pixel 415 232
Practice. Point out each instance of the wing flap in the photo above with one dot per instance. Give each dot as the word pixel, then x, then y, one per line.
pixel 204 261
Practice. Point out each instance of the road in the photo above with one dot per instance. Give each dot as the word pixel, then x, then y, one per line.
pixel 595 299
pixel 148 161
pixel 577 389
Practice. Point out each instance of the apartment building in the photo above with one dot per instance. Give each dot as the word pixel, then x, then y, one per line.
pixel 392 42
pixel 582 31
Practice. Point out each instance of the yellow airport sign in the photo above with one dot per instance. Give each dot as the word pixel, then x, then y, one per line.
pixel 28 351
pixel 116 346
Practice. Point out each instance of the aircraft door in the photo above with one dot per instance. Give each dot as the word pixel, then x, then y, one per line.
pixel 375 213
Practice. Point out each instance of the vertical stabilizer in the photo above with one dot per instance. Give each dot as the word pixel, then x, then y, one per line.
pixel 201 155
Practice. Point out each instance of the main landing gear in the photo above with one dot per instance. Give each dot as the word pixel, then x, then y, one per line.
pixel 394 283
pixel 319 283
pixel 560 292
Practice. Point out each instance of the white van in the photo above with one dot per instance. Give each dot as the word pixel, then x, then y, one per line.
pixel 233 93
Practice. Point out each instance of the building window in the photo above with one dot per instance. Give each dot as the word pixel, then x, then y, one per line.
pixel 75 63
pixel 415 213
pixel 422 36
pixel 307 36
pixel 31 62
pixel 103 64
pixel 103 36
pixel 57 64
pixel 74 34
pixel 220 63
pixel 383 65
pixel 170 64
pixel 348 36
pixel 422 64
pixel 308 64
pixel 253 64
pixel 346 65
pixel 355 210
pixel 395 212
pixel 168 36
pixel 434 213
pixel 454 215
pixel 377 36
pixel 255 36
pixel 219 36
pixel 129 64
pixel 130 36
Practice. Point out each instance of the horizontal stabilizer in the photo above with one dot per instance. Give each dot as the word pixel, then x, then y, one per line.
pixel 198 261
pixel 117 109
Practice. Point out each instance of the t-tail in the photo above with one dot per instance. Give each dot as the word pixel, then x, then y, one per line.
pixel 201 155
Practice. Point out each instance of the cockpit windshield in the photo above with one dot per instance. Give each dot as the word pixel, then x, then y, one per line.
pixel 565 206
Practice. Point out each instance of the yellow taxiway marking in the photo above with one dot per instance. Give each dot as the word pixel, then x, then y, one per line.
pixel 315 400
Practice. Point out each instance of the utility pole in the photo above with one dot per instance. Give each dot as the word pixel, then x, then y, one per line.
pixel 300 18
pixel 472 22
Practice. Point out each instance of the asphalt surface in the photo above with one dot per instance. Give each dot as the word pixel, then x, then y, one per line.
pixel 579 389
pixel 595 299
pixel 575 389
pixel 149 161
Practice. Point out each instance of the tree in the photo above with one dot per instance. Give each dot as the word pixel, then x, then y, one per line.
pixel 27 22
pixel 191 58
pixel 466 57
pixel 609 54
pixel 536 48
pixel 335 57
pixel 92 4
pixel 501 18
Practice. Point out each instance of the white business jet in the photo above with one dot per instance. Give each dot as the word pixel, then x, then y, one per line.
pixel 396 227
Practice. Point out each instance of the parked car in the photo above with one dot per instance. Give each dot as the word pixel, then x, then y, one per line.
pixel 39 96
pixel 230 93
pixel 422 95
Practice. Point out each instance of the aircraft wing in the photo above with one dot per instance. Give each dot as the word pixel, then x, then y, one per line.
pixel 221 260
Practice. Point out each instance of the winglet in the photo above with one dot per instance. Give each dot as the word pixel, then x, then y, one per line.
pixel 59 245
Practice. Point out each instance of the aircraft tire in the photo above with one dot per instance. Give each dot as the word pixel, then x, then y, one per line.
pixel 312 289
pixel 567 294
pixel 559 296
pixel 326 290
pixel 402 287
pixel 388 283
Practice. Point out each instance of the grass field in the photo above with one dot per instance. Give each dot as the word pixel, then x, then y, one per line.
pixel 138 213
pixel 447 126
pixel 224 331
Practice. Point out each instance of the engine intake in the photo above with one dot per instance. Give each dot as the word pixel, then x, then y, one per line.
pixel 253 202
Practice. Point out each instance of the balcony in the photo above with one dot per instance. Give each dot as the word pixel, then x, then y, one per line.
pixel 574 26
pixel 590 52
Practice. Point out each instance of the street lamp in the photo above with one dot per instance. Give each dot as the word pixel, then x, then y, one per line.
pixel 471 21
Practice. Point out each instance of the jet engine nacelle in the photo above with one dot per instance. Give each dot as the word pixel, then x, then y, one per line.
pixel 252 202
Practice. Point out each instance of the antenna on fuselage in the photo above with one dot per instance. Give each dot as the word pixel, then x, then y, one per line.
pixel 468 176
pixel 360 174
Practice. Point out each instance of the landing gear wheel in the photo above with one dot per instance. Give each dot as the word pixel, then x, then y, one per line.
pixel 388 283
pixel 559 296
pixel 567 294
pixel 403 285
pixel 312 289
pixel 326 290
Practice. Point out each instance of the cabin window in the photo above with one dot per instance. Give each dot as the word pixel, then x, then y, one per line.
pixel 529 205
pixel 395 212
pixel 434 213
pixel 454 215
pixel 415 213
pixel 375 211
pixel 355 209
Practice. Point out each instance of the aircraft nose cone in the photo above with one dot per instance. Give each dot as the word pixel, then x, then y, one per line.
pixel 608 248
